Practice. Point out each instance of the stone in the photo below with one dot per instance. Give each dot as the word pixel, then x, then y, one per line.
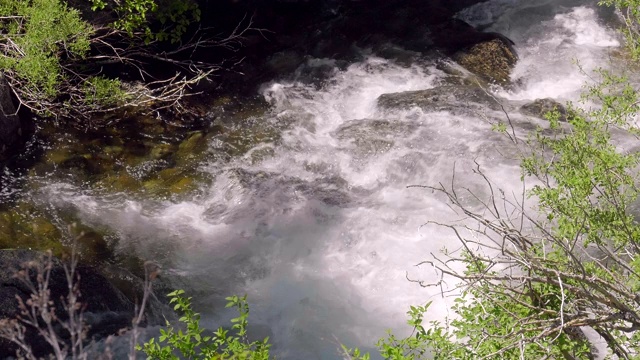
pixel 20 228
pixel 284 62
pixel 183 185
pixel 191 149
pixel 540 107
pixel 441 98
pixel 120 182
pixel 162 151
pixel 492 60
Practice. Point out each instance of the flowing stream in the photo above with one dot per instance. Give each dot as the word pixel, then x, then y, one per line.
pixel 318 227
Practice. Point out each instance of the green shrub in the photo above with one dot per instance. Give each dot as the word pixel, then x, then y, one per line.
pixel 194 343
pixel 630 12
pixel 103 92
pixel 36 33
pixel 173 17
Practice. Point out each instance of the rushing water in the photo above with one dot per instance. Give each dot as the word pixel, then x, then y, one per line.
pixel 319 227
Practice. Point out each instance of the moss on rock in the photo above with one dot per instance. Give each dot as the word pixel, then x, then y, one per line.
pixel 492 60
pixel 28 230
pixel 120 182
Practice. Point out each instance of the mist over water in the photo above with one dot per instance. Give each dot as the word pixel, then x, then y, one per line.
pixel 319 227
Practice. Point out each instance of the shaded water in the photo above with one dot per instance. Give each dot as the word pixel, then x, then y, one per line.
pixel 317 224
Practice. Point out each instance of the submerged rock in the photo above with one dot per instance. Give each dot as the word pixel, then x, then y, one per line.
pixel 21 228
pixel 540 107
pixel 192 148
pixel 120 182
pixel 162 151
pixel 492 60
pixel 374 136
pixel 441 98
pixel 172 181
pixel 284 62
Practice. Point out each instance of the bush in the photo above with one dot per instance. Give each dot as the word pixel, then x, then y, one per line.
pixel 194 343
pixel 37 32
pixel 57 63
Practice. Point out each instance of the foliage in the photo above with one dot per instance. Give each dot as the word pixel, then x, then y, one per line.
pixel 42 42
pixel 174 16
pixel 630 13
pixel 56 63
pixel 103 92
pixel 35 34
pixel 193 343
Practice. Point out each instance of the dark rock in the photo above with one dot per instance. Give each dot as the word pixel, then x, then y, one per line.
pixel 107 310
pixel 441 98
pixel 492 60
pixel 335 29
pixel 398 54
pixel 10 124
pixel 540 107
pixel 284 62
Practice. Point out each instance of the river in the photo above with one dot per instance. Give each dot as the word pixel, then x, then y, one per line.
pixel 318 226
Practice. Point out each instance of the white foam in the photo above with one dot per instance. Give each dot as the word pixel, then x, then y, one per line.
pixel 549 59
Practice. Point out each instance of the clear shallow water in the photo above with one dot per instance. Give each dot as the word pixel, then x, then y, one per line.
pixel 319 228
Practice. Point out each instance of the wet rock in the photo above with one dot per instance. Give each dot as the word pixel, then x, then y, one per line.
pixel 59 156
pixel 171 174
pixel 172 181
pixel 183 185
pixel 162 151
pixel 284 62
pixel 148 169
pixel 92 247
pixel 371 136
pixel 374 127
pixel 398 54
pixel 540 107
pixel 492 60
pixel 107 309
pixel 246 134
pixel 457 75
pixel 452 98
pixel 21 228
pixel 120 182
pixel 76 159
pixel 316 71
pixel 191 148
pixel 261 154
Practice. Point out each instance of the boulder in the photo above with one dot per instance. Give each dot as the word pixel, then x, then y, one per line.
pixel 374 136
pixel 107 310
pixel 540 107
pixel 491 60
pixel 441 98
